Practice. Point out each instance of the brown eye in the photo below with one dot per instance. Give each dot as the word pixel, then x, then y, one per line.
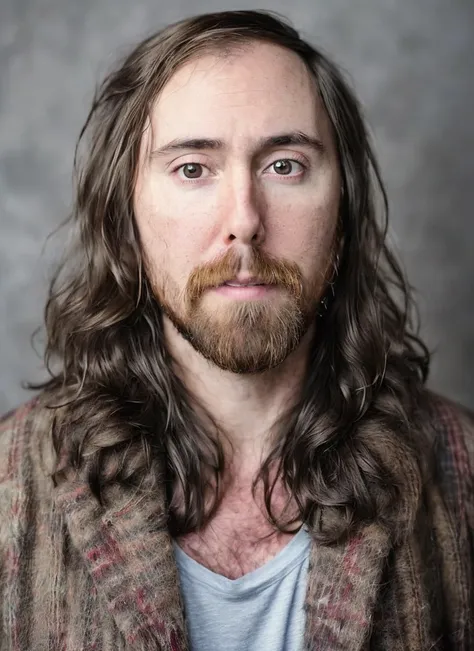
pixel 192 170
pixel 283 166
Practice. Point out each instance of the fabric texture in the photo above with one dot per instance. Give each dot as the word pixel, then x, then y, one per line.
pixel 76 575
pixel 260 611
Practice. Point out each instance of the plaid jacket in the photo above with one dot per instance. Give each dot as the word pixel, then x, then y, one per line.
pixel 76 576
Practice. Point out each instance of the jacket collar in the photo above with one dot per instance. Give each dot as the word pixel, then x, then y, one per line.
pixel 343 584
pixel 128 552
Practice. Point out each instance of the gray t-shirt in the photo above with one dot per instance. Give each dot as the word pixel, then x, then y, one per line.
pixel 260 611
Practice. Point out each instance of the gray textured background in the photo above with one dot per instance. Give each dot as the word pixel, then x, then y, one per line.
pixel 412 65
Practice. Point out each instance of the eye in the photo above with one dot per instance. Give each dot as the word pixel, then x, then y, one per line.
pixel 191 170
pixel 285 166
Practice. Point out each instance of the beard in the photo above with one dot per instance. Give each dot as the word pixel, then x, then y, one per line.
pixel 242 336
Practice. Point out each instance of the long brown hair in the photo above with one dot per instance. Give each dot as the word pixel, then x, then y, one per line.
pixel 350 451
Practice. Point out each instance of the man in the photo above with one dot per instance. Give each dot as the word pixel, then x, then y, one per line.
pixel 235 449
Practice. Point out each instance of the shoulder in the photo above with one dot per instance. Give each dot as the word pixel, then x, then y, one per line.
pixel 14 427
pixel 23 467
pixel 453 428
pixel 21 449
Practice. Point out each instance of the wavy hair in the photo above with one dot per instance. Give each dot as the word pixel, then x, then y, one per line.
pixel 350 451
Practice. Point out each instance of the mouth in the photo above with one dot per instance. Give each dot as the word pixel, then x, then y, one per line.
pixel 244 290
pixel 236 284
pixel 243 281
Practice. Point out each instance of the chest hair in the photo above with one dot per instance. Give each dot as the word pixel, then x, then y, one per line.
pixel 238 539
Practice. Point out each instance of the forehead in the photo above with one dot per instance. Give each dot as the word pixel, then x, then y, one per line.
pixel 254 92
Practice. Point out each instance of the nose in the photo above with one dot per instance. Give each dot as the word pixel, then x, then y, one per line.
pixel 243 209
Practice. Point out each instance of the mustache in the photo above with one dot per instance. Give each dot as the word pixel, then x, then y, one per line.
pixel 266 268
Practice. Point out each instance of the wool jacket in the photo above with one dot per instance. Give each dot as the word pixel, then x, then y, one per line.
pixel 79 576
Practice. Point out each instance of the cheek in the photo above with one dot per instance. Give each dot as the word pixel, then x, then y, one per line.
pixel 305 235
pixel 174 239
pixel 306 225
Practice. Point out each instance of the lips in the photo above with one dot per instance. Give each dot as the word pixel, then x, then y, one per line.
pixel 244 289
pixel 236 284
pixel 244 280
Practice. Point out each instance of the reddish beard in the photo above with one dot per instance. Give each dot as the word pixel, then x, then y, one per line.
pixel 243 336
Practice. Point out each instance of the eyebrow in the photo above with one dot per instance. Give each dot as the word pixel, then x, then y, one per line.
pixel 281 140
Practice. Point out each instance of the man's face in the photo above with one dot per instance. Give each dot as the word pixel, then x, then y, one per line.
pixel 239 207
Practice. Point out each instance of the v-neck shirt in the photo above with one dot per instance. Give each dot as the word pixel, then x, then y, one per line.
pixel 260 611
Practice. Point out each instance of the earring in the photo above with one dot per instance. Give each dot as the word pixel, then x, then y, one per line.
pixel 323 303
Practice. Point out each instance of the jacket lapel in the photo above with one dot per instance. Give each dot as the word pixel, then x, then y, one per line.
pixel 343 582
pixel 131 561
pixel 128 552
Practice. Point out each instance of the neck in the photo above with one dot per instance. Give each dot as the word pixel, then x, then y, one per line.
pixel 245 407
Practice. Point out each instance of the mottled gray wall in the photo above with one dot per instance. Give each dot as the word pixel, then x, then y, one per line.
pixel 412 64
